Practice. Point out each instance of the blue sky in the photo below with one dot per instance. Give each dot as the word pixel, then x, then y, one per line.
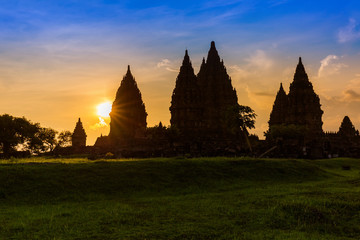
pixel 59 59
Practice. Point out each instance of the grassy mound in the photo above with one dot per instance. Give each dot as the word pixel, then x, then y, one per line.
pixel 207 198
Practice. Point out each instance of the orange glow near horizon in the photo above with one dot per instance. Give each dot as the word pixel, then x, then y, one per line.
pixel 104 109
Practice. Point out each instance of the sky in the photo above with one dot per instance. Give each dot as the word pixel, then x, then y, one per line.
pixel 60 59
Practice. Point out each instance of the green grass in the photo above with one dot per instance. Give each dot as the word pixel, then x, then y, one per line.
pixel 206 198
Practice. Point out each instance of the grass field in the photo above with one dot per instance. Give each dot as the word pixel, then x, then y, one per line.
pixel 206 198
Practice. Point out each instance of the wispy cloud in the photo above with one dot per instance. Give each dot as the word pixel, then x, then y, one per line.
pixel 352 95
pixel 166 63
pixel 260 60
pixel 349 33
pixel 163 63
pixel 256 64
pixel 100 124
pixel 328 66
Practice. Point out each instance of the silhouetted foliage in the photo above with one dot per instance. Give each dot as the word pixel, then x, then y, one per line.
pixel 157 132
pixel 20 133
pixel 245 117
pixel 64 139
pixel 283 131
pixel 240 118
pixel 43 140
pixel 15 131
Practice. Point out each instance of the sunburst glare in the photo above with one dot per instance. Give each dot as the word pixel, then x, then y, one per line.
pixel 104 109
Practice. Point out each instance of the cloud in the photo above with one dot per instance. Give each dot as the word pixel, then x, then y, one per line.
pixel 163 63
pixel 328 67
pixel 166 63
pixel 100 124
pixel 239 71
pixel 352 95
pixel 349 33
pixel 264 94
pixel 256 63
pixel 260 60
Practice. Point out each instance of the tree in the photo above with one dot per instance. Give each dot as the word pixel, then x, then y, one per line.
pixel 245 117
pixel 241 118
pixel 286 131
pixel 15 131
pixel 64 139
pixel 43 140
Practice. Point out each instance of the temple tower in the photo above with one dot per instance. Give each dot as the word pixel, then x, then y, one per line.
pixel 280 108
pixel 304 104
pixel 186 101
pixel 295 124
pixel 347 129
pixel 128 114
pixel 217 93
pixel 79 136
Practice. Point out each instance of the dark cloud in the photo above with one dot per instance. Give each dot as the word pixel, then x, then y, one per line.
pixel 352 95
pixel 264 94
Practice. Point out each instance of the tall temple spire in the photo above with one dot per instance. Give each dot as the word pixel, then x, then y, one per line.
pixel 217 93
pixel 128 114
pixel 185 101
pixel 186 60
pixel 305 107
pixel 128 76
pixel 186 67
pixel 213 55
pixel 280 107
pixel 300 73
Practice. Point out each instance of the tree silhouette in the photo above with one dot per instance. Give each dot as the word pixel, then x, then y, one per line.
pixel 43 140
pixel 64 139
pixel 15 131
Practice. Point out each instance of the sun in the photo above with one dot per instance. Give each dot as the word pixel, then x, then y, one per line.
pixel 104 109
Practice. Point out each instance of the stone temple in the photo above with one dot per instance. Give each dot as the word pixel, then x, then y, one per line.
pixel 299 112
pixel 128 114
pixel 202 105
pixel 186 106
pixel 217 93
pixel 78 137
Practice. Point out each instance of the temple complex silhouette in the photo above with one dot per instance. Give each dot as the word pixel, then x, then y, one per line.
pixel 201 108
pixel 204 120
pixel 295 125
